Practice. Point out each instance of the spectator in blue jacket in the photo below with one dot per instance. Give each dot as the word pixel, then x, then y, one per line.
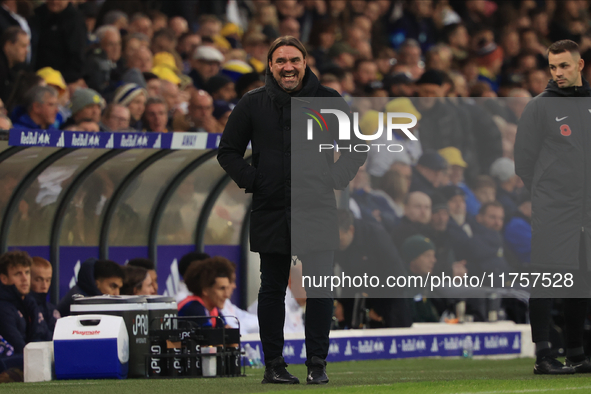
pixel 209 281
pixel 39 111
pixel 518 230
pixel 503 171
pixel 96 277
pixel 22 321
pixel 41 273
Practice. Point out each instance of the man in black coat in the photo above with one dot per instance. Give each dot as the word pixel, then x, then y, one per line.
pixel 59 39
pixel 22 321
pixel 427 174
pixel 551 157
pixel 263 117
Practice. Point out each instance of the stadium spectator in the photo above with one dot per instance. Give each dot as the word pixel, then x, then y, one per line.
pixel 95 277
pixel 443 124
pixel 59 39
pixel 342 55
pixel 141 59
pixel 9 17
pixel 428 173
pixel 116 18
pixel 485 189
pixel 86 104
pixel 183 265
pixel 416 219
pixel 153 84
pixel 14 42
pixel 456 36
pixel 164 40
pixel 366 72
pixel 137 281
pixel 40 104
pixel 256 46
pixel 289 27
pixel 186 46
pixel 148 265
pixel 221 87
pixel 178 25
pixel 365 248
pixel 141 23
pixel 248 82
pixel 134 98
pixel 41 274
pixel 102 60
pixel 222 111
pixel 517 232
pixel 457 166
pixel 83 124
pixel 418 252
pixel 209 281
pixel 55 79
pixel 503 171
pixel 156 115
pixel 487 235
pixel 116 117
pixel 205 64
pixel 22 321
pixel 201 113
pixel 416 23
pixel 409 56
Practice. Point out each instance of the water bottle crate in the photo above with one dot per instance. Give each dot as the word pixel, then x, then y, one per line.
pixel 187 349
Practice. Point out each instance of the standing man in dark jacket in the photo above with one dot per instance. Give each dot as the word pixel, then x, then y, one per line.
pixel 15 46
pixel 263 117
pixel 59 39
pixel 21 321
pixel 551 150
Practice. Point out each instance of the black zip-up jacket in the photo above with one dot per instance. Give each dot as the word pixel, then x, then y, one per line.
pixel 264 117
pixel 85 286
pixel 552 157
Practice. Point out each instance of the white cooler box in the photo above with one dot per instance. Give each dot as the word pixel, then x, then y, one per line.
pixel 91 347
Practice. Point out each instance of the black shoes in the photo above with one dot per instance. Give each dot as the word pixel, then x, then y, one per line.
pixel 551 366
pixel 275 372
pixel 581 366
pixel 316 371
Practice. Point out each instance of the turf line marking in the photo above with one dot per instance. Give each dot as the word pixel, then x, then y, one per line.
pixel 525 390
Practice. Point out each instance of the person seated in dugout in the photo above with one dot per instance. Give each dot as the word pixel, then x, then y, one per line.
pixel 138 281
pixel 149 265
pixel 209 281
pixel 21 321
pixel 96 277
pixel 41 274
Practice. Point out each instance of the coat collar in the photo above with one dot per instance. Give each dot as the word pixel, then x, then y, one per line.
pixel 282 98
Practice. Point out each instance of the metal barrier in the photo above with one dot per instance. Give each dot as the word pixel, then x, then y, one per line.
pixel 68 196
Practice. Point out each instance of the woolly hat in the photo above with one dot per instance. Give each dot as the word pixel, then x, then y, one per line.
pixel 415 246
pixel 85 97
pixel 126 93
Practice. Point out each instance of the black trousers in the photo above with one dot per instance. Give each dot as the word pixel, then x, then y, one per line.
pixel 271 310
pixel 575 309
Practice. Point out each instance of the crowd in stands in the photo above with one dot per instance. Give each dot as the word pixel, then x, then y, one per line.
pixel 450 202
pixel 157 66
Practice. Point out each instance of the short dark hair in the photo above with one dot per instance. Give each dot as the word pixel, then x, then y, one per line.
pixel 166 33
pixel 345 218
pixel 141 262
pixel 203 274
pixel 286 41
pixel 11 35
pixel 564 46
pixel 14 258
pixel 134 276
pixel 484 207
pixel 187 259
pixel 104 269
pixel 484 181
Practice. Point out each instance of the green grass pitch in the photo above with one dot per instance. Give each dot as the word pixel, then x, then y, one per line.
pixel 420 376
